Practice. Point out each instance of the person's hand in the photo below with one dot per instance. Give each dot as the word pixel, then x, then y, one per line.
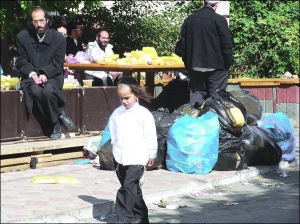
pixel 114 74
pixel 83 46
pixel 68 57
pixel 151 163
pixel 36 79
pixel 43 79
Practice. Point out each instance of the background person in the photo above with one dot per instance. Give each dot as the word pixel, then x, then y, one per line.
pixel 206 50
pixel 74 44
pixel 40 59
pixel 133 136
pixel 99 49
pixel 60 24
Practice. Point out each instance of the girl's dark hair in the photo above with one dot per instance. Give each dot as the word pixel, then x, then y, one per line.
pixel 135 88
pixel 139 91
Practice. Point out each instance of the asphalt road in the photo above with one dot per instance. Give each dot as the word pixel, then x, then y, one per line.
pixel 270 198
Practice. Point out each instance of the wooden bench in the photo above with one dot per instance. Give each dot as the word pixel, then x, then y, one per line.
pixel 23 143
pixel 25 154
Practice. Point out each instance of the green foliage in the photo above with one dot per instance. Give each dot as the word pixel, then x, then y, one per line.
pixel 265 33
pixel 160 30
pixel 266 38
pixel 14 14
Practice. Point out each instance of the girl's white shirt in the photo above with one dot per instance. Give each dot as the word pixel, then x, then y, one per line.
pixel 133 135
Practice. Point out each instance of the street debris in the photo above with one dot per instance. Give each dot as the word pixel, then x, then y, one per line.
pixel 172 206
pixel 246 183
pixel 198 193
pixel 229 203
pixel 284 174
pixel 172 221
pixel 108 216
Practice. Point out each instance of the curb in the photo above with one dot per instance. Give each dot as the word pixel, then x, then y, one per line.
pixel 107 207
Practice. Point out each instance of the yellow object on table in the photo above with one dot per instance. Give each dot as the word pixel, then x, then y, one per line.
pixel 151 51
pixel 9 83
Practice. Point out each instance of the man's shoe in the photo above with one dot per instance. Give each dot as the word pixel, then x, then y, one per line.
pixel 56 134
pixel 66 122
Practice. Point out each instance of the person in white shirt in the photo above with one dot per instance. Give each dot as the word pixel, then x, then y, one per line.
pixel 133 136
pixel 99 49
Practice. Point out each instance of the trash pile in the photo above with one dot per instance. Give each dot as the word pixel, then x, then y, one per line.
pixel 227 132
pixel 245 137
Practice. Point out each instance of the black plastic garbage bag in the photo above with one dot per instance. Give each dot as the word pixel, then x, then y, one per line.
pixel 231 155
pixel 251 103
pixel 163 122
pixel 173 95
pixel 221 103
pixel 260 146
pixel 161 150
pixel 106 156
pixel 189 109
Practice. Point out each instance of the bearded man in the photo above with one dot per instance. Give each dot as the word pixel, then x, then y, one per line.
pixel 40 59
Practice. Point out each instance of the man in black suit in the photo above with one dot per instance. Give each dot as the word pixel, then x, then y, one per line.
pixel 206 49
pixel 40 59
pixel 74 44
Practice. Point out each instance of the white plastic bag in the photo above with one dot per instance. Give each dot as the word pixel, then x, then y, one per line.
pixel 284 134
pixel 92 147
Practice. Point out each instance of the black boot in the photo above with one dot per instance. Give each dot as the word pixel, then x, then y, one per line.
pixel 56 134
pixel 65 121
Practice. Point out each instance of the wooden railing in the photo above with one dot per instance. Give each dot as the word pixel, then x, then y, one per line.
pixel 245 81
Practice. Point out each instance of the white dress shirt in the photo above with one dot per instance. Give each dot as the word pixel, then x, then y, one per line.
pixel 133 135
pixel 97 53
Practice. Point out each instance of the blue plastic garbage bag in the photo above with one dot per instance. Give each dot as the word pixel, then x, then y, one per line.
pixel 105 134
pixel 193 144
pixel 284 134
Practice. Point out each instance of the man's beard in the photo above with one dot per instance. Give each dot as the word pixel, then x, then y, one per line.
pixel 43 31
pixel 102 47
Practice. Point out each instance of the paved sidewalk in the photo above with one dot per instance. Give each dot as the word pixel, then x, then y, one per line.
pixel 25 202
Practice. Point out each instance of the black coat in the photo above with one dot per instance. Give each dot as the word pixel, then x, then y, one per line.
pixel 46 58
pixel 71 46
pixel 205 40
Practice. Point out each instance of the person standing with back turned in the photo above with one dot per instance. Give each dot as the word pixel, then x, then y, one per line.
pixel 206 49
pixel 133 136
pixel 40 59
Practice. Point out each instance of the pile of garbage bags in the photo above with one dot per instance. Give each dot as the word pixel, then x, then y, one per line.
pixel 244 136
pixel 227 132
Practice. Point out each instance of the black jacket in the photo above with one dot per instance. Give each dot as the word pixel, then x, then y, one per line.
pixel 46 57
pixel 71 46
pixel 205 40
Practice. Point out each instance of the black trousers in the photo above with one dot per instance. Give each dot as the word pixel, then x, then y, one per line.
pixel 46 101
pixel 99 82
pixel 129 200
pixel 202 84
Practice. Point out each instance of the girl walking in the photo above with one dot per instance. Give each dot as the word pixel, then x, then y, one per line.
pixel 133 136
